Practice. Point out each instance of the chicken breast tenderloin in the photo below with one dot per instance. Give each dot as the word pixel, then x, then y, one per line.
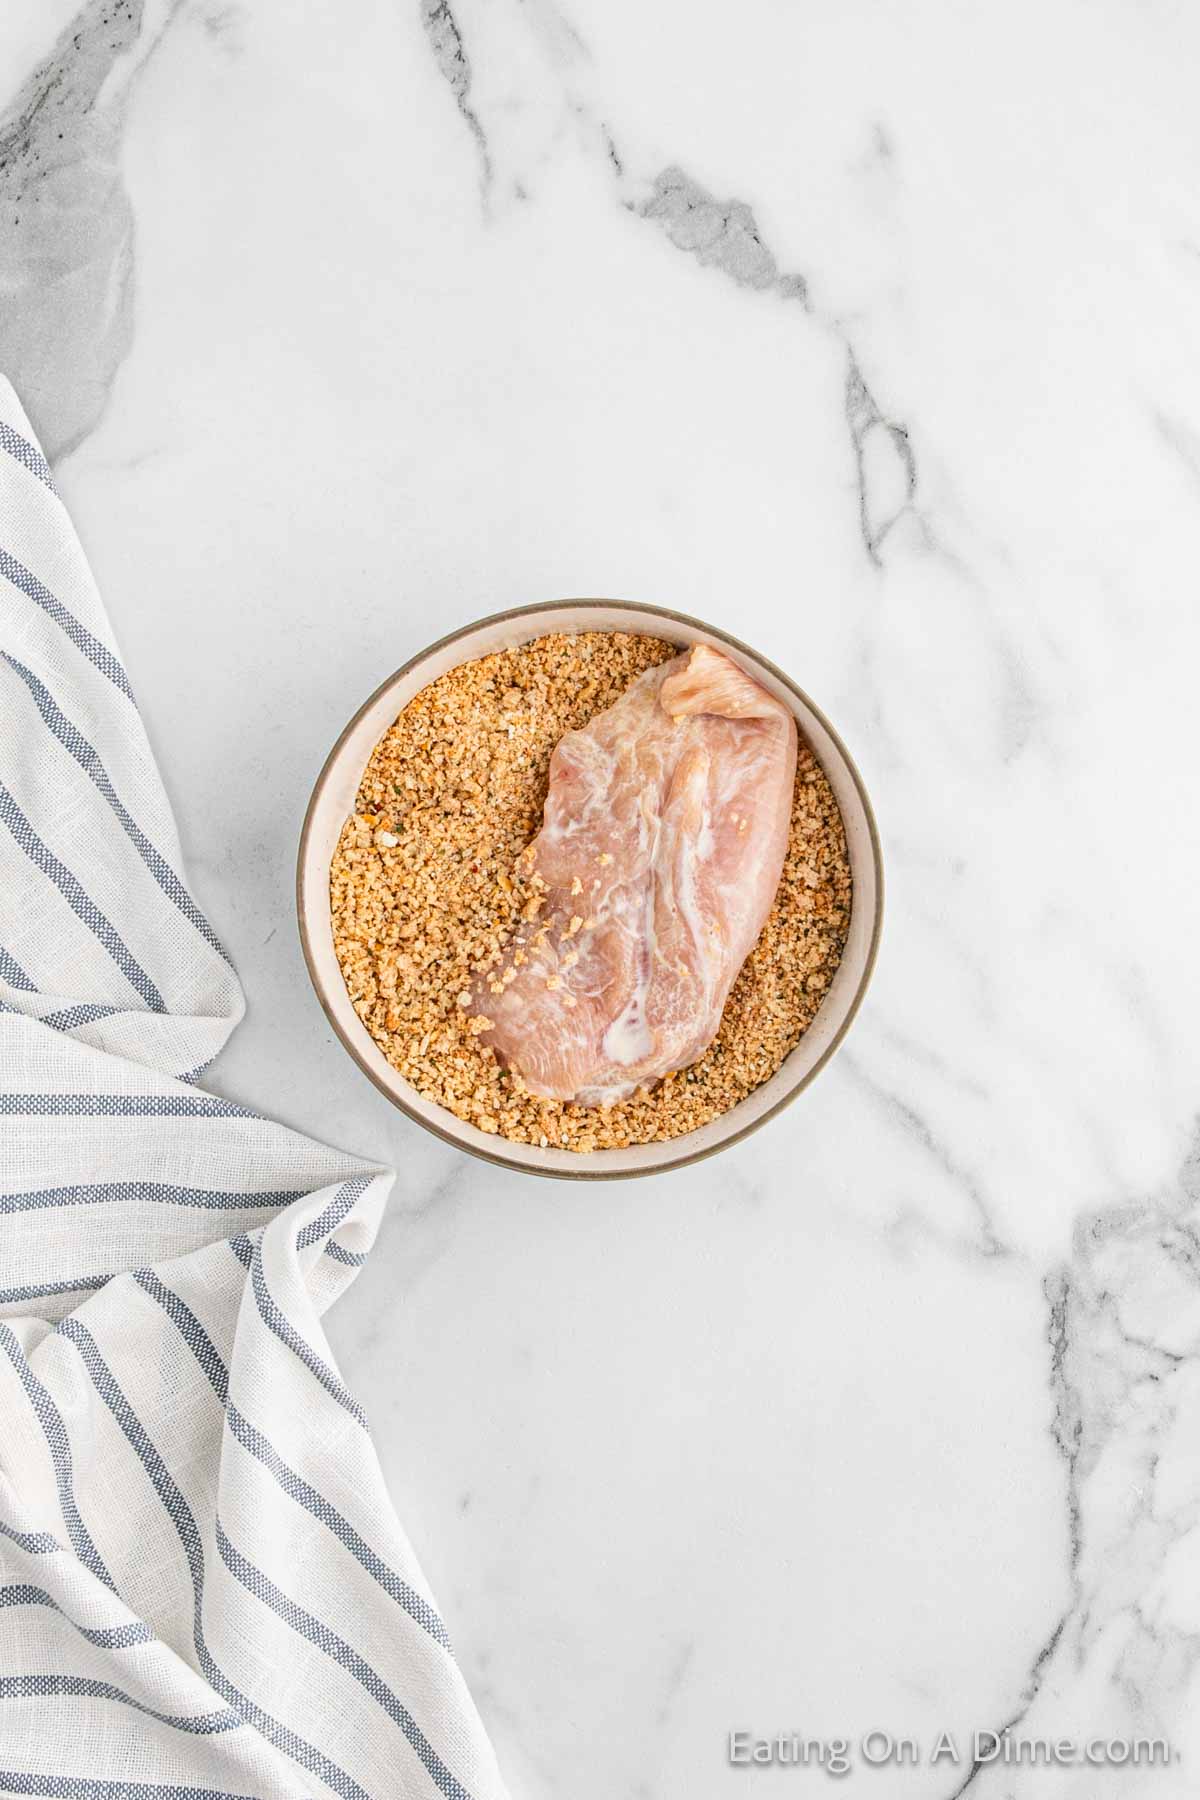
pixel 662 844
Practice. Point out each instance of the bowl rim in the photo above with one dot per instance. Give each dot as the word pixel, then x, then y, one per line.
pixel 638 609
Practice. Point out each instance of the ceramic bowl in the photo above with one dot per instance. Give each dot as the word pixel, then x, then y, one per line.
pixel 332 803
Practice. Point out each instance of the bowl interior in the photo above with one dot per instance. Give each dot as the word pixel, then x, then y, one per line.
pixel 333 802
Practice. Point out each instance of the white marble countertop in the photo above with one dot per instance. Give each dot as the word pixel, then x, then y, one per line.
pixel 870 333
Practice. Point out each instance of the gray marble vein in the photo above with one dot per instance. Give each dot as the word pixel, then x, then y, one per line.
pixel 1032 1688
pixel 66 253
pixel 724 234
pixel 1124 1346
pixel 883 458
pixel 1182 440
pixel 918 1130
pixel 449 52
pixel 721 234
pixel 1067 1430
pixel 1067 1426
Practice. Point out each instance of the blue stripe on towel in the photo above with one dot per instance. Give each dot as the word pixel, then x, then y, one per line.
pixel 354 1259
pixel 12 972
pixel 339 1651
pixel 105 1637
pixel 78 633
pixel 22 451
pixel 307 1496
pixel 243 1248
pixel 181 1517
pixel 44 1290
pixel 92 1787
pixel 343 1202
pixel 205 1352
pixel 68 1017
pixel 34 1543
pixel 122 1106
pixel 79 902
pixel 81 1687
pixel 275 1319
pixel 189 1328
pixel 59 1446
pixel 73 740
pixel 156 1193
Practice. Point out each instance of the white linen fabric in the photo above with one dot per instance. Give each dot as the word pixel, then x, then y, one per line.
pixel 204 1590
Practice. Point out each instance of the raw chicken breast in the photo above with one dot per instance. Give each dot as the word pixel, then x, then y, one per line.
pixel 661 848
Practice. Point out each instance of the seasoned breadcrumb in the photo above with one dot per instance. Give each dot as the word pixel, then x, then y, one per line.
pixel 429 880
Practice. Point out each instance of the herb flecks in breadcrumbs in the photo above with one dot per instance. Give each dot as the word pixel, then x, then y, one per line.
pixel 428 883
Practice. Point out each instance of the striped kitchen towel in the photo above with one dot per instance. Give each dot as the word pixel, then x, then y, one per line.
pixel 204 1590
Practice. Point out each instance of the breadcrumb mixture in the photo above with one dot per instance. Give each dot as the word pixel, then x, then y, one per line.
pixel 427 884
